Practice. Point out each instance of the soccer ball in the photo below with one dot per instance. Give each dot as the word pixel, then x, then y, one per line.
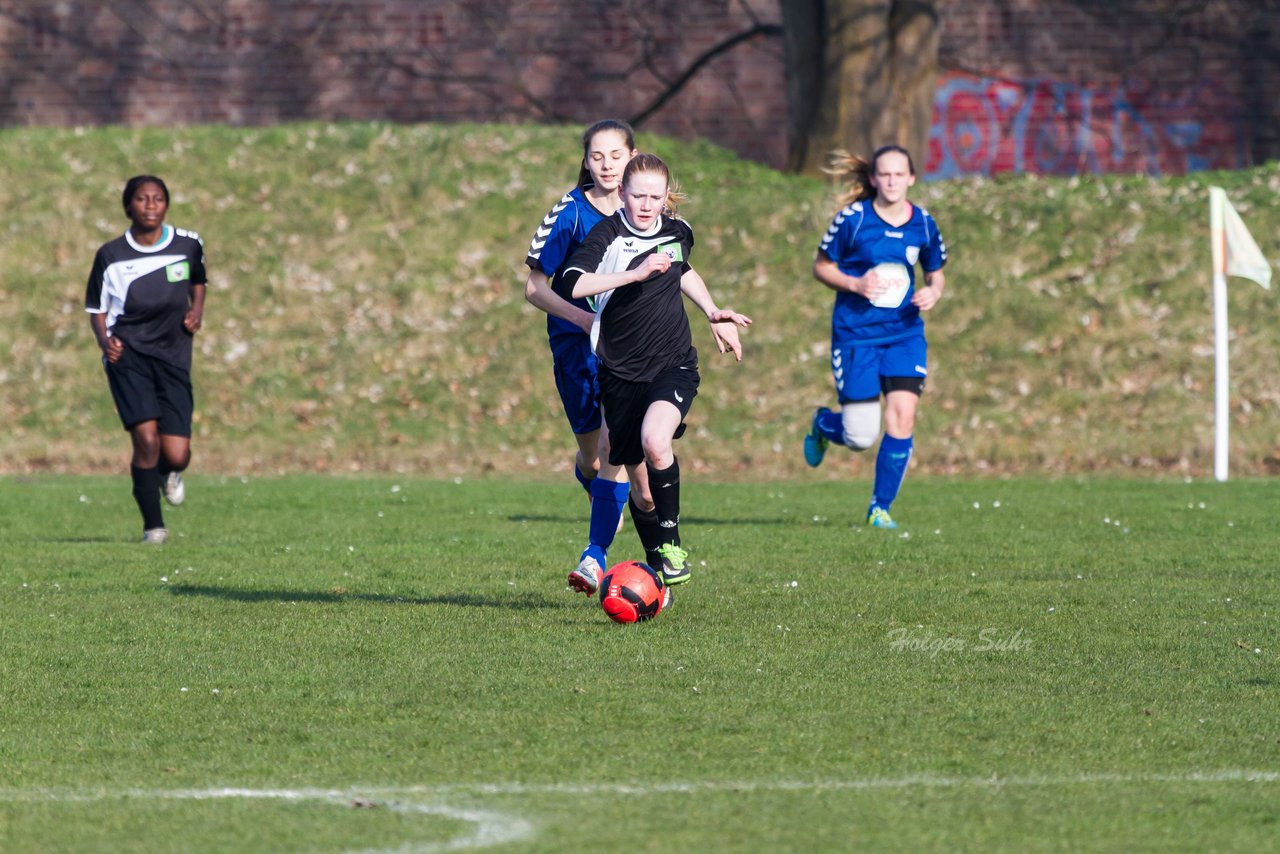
pixel 898 280
pixel 631 592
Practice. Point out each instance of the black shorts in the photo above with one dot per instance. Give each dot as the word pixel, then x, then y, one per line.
pixel 148 389
pixel 625 404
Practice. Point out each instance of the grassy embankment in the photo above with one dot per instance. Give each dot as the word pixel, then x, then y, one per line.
pixel 366 310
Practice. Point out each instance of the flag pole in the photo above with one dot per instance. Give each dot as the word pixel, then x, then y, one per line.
pixel 1235 253
pixel 1221 393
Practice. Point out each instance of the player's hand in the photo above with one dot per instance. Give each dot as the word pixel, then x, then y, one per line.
pixel 114 350
pixel 871 286
pixel 192 322
pixel 926 297
pixel 726 335
pixel 652 265
pixel 728 315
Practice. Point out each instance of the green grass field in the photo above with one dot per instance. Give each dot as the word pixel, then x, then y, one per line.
pixel 383 664
pixel 1070 659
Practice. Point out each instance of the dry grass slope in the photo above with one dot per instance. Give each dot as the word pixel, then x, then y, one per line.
pixel 366 309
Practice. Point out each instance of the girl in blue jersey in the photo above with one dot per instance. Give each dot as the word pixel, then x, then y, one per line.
pixel 145 298
pixel 607 146
pixel 868 257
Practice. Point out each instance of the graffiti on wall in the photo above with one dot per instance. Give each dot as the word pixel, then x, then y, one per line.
pixel 984 125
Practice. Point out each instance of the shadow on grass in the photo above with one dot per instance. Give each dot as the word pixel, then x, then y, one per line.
pixel 79 540
pixel 684 519
pixel 466 600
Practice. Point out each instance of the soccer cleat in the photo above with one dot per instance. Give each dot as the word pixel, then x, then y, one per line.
pixel 815 444
pixel 672 564
pixel 586 578
pixel 156 536
pixel 878 517
pixel 175 492
pixel 668 599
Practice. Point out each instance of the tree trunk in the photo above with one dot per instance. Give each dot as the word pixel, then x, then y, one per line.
pixel 860 74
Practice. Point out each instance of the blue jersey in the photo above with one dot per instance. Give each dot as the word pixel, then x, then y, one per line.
pixel 858 240
pixel 560 233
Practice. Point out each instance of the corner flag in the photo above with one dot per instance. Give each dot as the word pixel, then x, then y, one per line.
pixel 1235 253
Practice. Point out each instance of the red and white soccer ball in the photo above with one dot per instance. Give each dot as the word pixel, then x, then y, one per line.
pixel 631 592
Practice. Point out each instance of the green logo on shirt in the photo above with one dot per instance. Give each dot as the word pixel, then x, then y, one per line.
pixel 673 251
pixel 179 272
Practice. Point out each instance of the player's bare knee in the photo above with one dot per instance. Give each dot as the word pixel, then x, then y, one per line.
pixel 146 447
pixel 657 452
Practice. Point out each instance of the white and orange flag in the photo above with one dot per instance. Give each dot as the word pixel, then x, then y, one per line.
pixel 1235 252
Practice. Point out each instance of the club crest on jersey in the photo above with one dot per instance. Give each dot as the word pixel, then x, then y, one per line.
pixel 673 251
pixel 913 255
pixel 179 272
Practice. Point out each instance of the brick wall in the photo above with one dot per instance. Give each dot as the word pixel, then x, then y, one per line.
pixel 1032 85
pixel 1070 86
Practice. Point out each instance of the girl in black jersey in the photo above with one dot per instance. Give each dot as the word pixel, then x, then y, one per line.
pixel 145 299
pixel 635 264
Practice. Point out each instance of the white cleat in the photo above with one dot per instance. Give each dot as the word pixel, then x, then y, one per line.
pixel 156 536
pixel 586 578
pixel 175 491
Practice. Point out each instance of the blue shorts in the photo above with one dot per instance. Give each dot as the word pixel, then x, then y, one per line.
pixel 577 380
pixel 864 371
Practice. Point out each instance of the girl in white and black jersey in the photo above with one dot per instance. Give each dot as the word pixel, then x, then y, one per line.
pixel 635 264
pixel 145 299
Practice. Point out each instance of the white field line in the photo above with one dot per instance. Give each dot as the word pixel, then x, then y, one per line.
pixel 346 796
pixel 870 783
pixel 491 827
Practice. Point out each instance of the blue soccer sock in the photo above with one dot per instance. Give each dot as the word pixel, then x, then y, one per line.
pixel 607 500
pixel 831 426
pixel 891 468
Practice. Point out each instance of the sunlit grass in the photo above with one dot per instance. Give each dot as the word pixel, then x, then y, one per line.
pixel 322 645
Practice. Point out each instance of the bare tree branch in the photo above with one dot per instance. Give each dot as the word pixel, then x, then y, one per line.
pixel 697 65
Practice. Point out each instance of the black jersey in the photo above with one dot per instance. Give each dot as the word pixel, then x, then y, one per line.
pixel 145 292
pixel 640 329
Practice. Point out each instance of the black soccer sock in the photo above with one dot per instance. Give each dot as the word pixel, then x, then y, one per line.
pixel 146 491
pixel 665 486
pixel 647 529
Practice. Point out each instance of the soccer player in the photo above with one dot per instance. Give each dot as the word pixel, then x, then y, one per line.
pixel 868 257
pixel 636 266
pixel 607 146
pixel 145 299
